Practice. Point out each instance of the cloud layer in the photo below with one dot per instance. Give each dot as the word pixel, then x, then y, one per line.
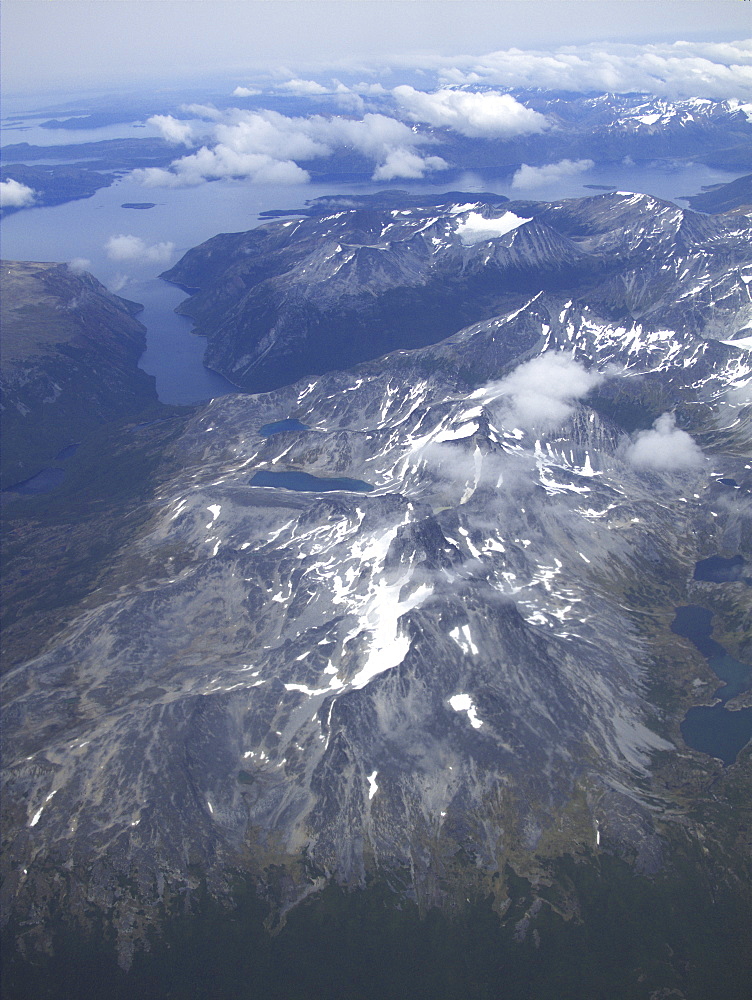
pixel 478 116
pixel 172 129
pixel 78 265
pixel 665 448
pixel 677 69
pixel 263 146
pixel 13 194
pixel 392 128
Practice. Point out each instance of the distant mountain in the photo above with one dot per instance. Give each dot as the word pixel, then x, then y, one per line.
pixel 607 129
pixel 69 362
pixel 81 168
pixel 404 628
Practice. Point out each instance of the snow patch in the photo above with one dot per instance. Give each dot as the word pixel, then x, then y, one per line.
pixel 464 703
pixel 464 640
pixel 476 229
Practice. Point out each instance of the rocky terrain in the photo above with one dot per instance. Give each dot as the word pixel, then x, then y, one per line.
pixel 329 290
pixel 69 362
pixel 724 197
pixel 406 624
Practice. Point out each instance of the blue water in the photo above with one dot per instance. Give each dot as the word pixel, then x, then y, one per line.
pixel 715 730
pixel 174 355
pixel 716 569
pixel 44 482
pixel 48 479
pixel 306 483
pixel 186 217
pixel 279 426
pixel 181 217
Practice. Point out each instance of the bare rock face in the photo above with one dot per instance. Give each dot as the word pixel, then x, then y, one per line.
pixel 432 642
pixel 69 362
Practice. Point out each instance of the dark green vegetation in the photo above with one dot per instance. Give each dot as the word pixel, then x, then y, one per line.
pixel 70 354
pixel 104 154
pixel 55 184
pixel 98 119
pixel 599 932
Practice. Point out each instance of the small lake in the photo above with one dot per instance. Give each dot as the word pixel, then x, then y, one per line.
pixel 715 729
pixel 280 426
pixel 305 483
pixel 716 569
pixel 43 482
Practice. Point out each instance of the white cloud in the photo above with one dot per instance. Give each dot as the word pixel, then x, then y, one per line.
pixel 213 164
pixel 79 264
pixel 531 177
pixel 477 229
pixel 484 115
pixel 245 92
pixel 676 69
pixel 172 129
pixel 134 248
pixel 262 146
pixel 303 88
pixel 13 194
pixel 407 164
pixel 118 282
pixel 271 134
pixel 740 394
pixel 541 393
pixel 203 111
pixel 370 89
pixel 665 447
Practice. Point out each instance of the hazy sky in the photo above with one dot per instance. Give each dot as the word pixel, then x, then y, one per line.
pixel 64 45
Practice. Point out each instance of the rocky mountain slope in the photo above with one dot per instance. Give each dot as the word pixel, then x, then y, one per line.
pixel 411 621
pixel 327 291
pixel 69 362
pixel 724 197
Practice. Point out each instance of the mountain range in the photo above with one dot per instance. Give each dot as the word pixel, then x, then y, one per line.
pixel 397 619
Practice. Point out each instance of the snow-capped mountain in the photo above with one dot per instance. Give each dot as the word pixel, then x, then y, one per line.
pixel 416 610
pixel 326 291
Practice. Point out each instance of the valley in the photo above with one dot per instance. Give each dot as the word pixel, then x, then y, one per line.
pixel 376 549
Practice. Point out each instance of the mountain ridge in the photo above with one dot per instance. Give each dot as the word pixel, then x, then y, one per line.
pixel 450 682
pixel 300 297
